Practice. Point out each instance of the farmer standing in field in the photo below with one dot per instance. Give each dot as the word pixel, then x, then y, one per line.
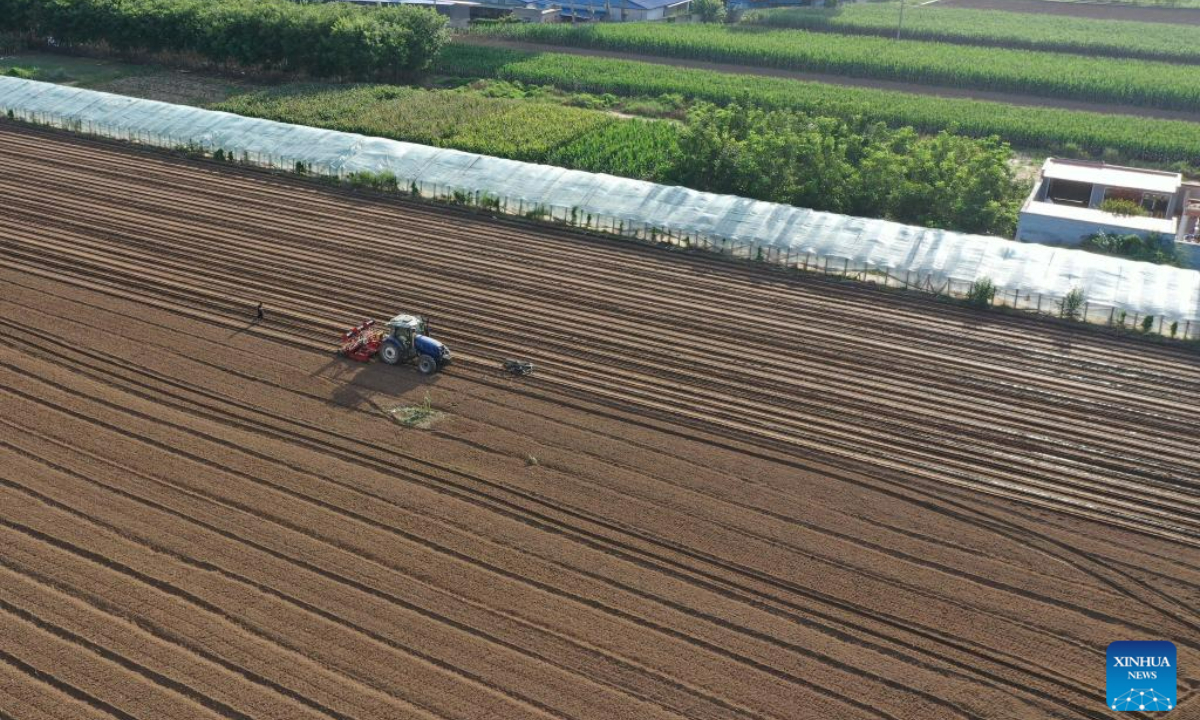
pixel 258 311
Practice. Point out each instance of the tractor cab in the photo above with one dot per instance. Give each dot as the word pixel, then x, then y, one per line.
pixel 405 329
pixel 408 339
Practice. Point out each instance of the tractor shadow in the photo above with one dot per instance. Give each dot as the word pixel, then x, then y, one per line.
pixel 360 385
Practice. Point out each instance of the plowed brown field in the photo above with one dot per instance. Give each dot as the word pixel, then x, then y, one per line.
pixel 726 493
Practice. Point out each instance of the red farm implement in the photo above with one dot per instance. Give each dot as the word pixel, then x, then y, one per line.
pixel 404 338
pixel 362 341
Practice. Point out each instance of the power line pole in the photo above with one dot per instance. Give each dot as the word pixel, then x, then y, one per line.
pixel 900 23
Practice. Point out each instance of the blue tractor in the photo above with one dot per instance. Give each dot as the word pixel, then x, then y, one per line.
pixel 408 339
pixel 403 339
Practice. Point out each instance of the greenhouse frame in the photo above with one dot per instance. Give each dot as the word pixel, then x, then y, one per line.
pixel 1028 276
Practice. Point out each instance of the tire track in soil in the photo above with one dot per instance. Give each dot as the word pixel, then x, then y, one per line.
pixel 710 646
pixel 1093 378
pixel 677 409
pixel 1008 588
pixel 39 700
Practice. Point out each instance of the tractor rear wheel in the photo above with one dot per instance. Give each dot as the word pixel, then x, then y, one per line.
pixel 389 353
pixel 427 365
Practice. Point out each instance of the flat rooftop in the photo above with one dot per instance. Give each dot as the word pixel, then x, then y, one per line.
pixel 1166 226
pixel 1159 181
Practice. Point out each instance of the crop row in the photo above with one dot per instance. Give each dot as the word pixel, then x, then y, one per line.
pixel 1083 36
pixel 531 131
pixel 1058 75
pixel 1065 131
pixel 777 155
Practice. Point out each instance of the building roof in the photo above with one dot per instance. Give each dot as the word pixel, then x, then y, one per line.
pixel 1099 218
pixel 431 3
pixel 1112 175
pixel 597 7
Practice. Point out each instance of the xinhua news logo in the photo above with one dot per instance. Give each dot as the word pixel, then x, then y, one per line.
pixel 1141 676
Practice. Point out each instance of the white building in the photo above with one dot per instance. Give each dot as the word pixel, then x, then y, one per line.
pixel 1065 205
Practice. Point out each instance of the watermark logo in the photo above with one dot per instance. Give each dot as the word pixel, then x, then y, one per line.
pixel 1141 675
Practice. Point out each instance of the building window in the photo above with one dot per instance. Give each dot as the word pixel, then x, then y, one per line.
pixel 1155 204
pixel 1068 192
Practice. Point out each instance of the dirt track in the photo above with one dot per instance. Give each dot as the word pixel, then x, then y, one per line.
pixel 726 494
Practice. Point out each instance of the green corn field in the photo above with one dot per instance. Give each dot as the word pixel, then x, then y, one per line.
pixel 1056 129
pixel 1083 36
pixel 1056 75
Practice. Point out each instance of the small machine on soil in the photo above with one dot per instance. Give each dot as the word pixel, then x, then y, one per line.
pixel 518 367
pixel 404 338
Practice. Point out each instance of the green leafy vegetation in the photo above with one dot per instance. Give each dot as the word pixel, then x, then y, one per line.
pixel 532 130
pixel 1056 33
pixel 1135 247
pixel 1064 132
pixel 944 181
pixel 709 11
pixel 981 293
pixel 1059 75
pixel 1123 207
pixel 417 416
pixel 334 39
pixel 639 149
pixel 1072 305
pixel 830 164
pixel 79 71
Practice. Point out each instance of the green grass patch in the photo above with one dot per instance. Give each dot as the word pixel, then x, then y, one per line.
pixel 542 129
pixel 69 70
pixel 422 416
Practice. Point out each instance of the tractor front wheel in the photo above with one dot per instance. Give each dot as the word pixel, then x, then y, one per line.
pixel 390 353
pixel 427 365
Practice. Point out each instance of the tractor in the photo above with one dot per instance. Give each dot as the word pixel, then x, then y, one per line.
pixel 404 338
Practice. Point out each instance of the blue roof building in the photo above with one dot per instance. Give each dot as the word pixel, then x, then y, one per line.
pixel 622 10
pixel 549 10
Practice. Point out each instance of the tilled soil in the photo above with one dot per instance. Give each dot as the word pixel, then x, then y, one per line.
pixel 726 493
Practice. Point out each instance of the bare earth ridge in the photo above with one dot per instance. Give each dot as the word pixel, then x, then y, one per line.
pixel 726 493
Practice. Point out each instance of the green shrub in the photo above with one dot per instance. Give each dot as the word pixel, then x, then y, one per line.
pixel 384 181
pixel 981 293
pixel 1071 306
pixel 20 72
pixel 1123 207
pixel 943 181
pixel 1148 323
pixel 709 11
pixel 1133 246
pixel 324 39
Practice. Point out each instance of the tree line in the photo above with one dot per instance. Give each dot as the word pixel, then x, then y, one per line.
pixel 852 167
pixel 327 39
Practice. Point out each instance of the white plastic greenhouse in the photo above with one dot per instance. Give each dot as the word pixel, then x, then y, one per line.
pixel 1026 275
